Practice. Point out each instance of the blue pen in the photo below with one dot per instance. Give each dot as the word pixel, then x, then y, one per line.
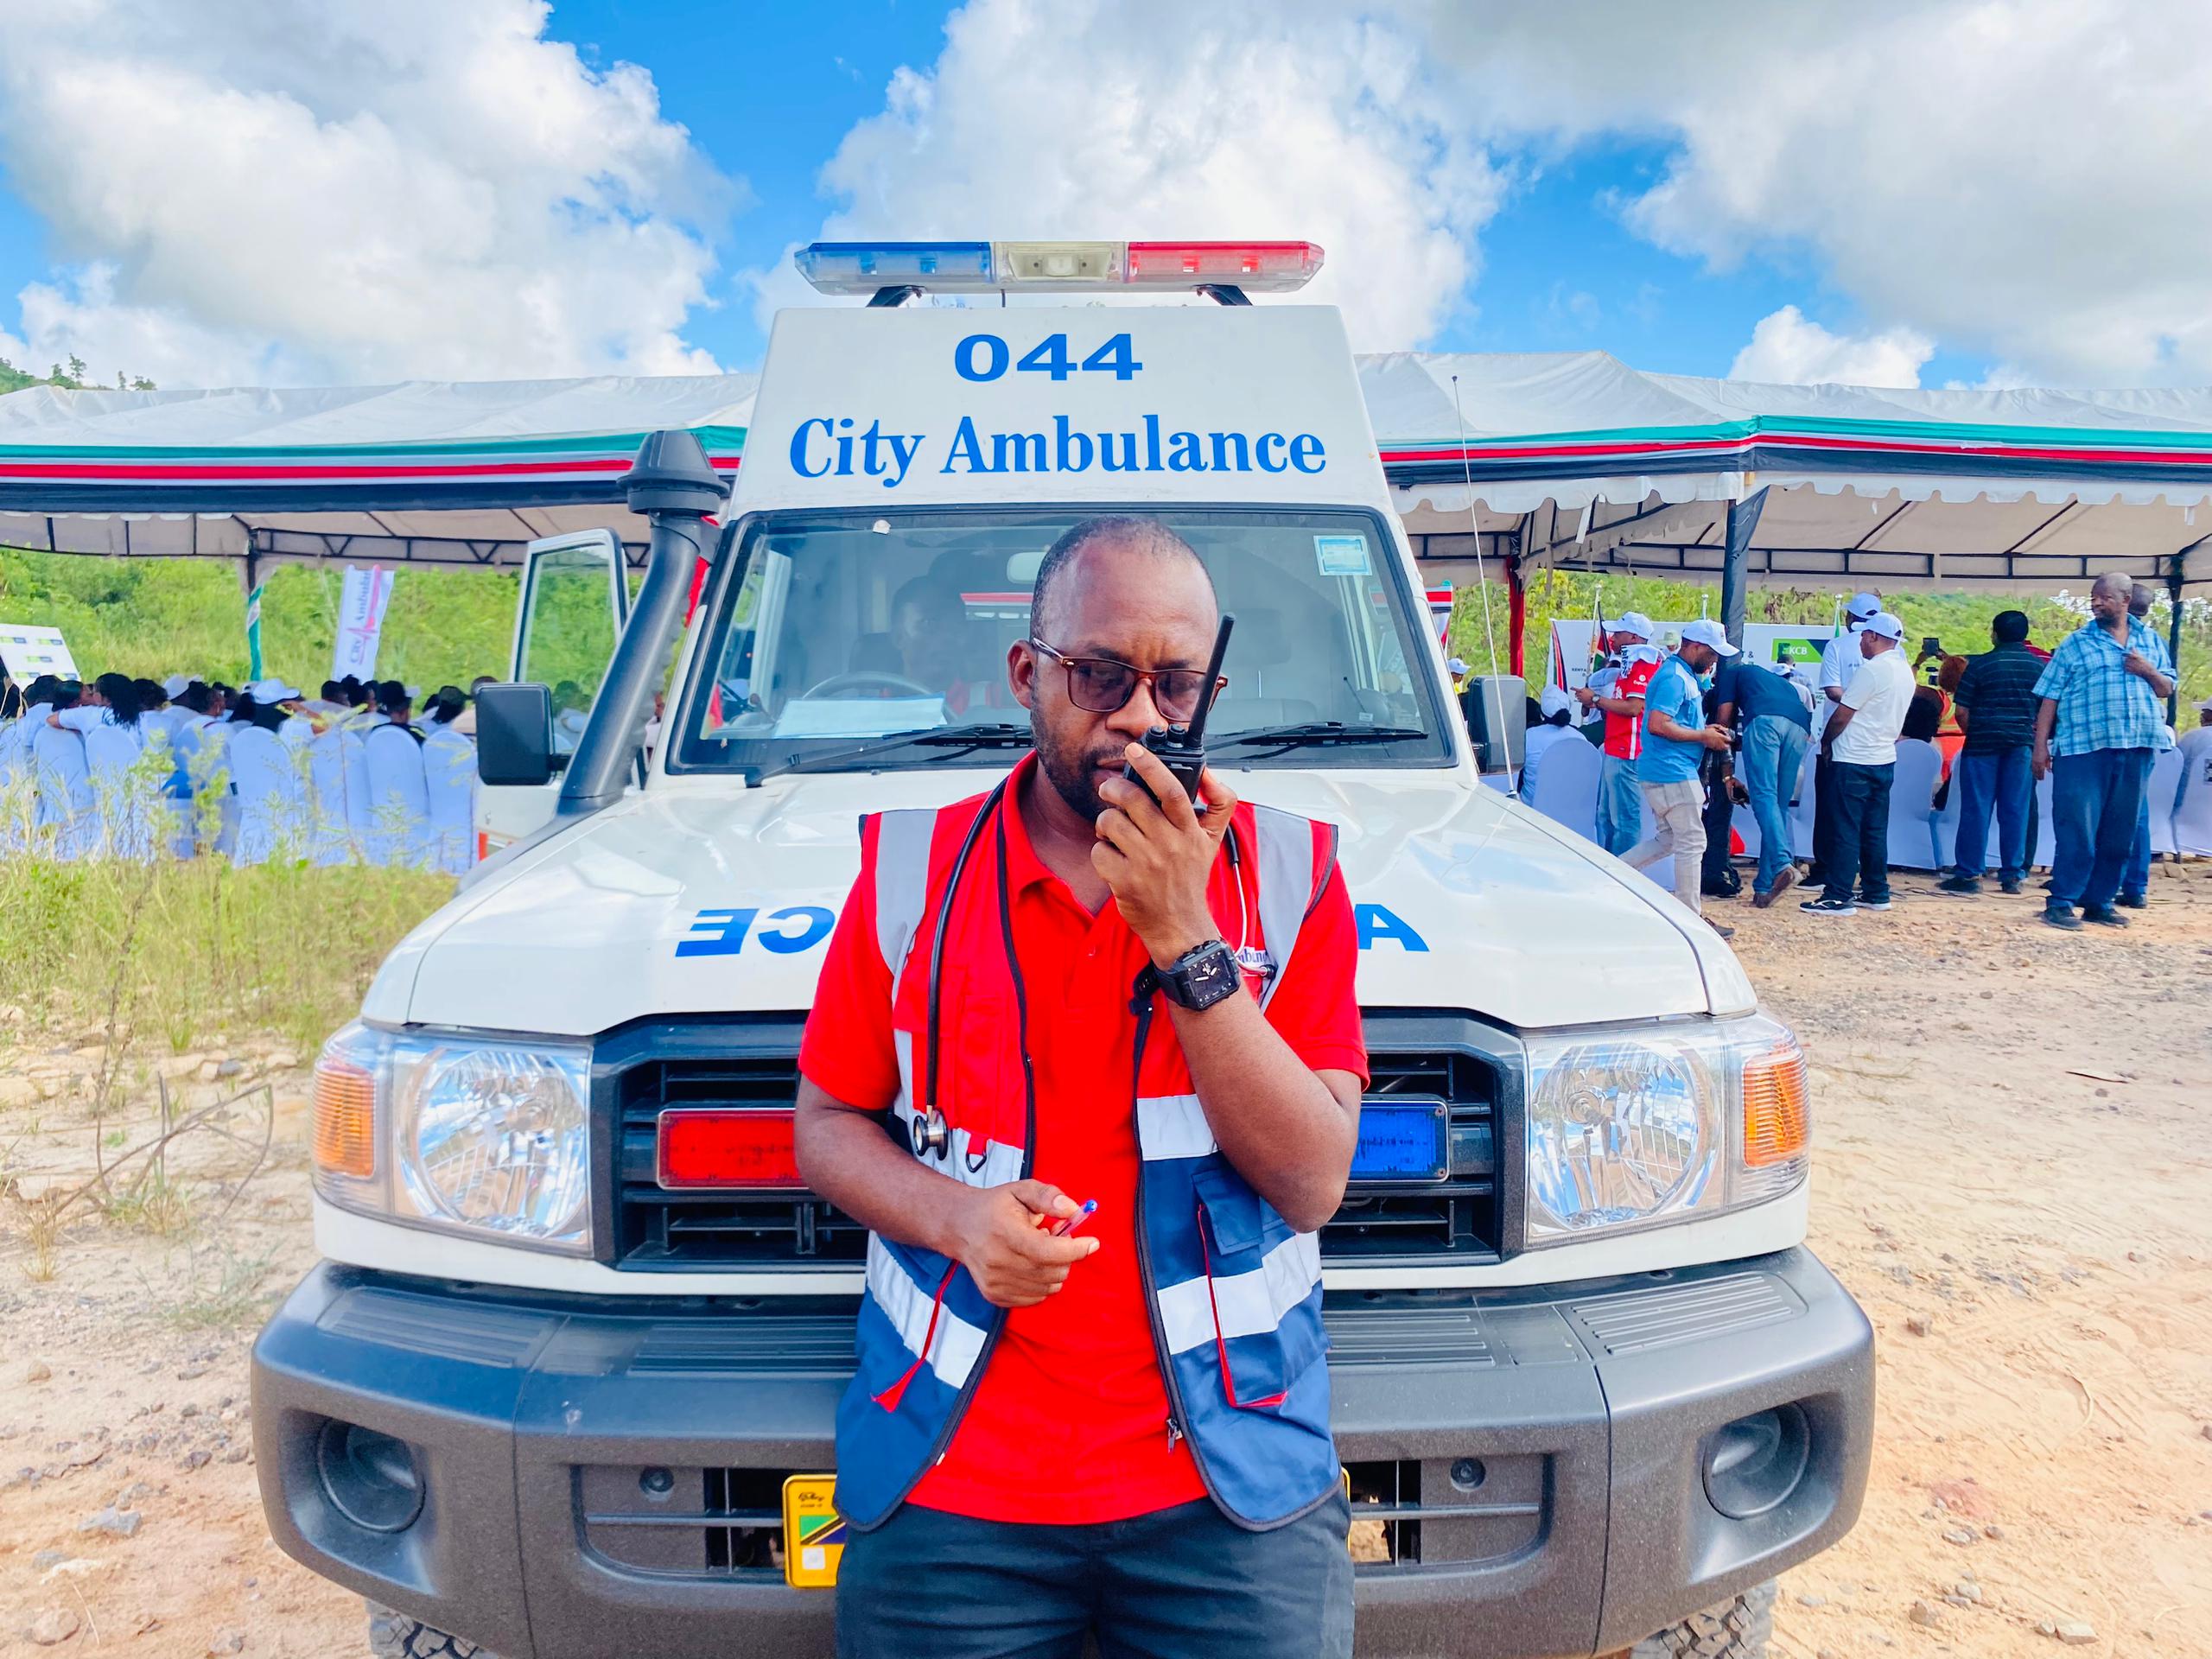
pixel 1077 1219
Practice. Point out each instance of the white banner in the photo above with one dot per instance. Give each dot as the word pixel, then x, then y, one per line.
pixel 30 652
pixel 360 622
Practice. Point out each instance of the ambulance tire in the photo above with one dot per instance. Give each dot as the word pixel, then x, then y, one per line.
pixel 1740 1628
pixel 394 1636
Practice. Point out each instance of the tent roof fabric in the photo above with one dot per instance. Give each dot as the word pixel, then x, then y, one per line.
pixel 1584 460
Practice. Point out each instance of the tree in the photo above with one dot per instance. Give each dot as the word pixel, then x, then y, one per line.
pixel 70 379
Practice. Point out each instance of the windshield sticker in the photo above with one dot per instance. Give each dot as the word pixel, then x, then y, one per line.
pixel 1342 556
pixel 785 932
pixel 1377 923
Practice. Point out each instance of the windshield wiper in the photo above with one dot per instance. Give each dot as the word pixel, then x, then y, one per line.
pixel 982 735
pixel 1302 733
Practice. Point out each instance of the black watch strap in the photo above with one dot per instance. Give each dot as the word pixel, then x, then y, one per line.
pixel 1202 975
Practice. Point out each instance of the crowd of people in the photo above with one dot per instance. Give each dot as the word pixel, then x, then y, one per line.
pixel 1692 733
pixel 185 767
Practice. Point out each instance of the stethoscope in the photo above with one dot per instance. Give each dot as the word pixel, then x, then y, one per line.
pixel 931 1133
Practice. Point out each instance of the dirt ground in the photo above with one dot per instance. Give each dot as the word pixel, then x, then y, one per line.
pixel 2011 1174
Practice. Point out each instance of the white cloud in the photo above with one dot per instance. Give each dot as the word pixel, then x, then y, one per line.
pixel 360 189
pixel 1789 348
pixel 2024 178
pixel 1153 119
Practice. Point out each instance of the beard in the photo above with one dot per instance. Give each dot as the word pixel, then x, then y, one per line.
pixel 1073 773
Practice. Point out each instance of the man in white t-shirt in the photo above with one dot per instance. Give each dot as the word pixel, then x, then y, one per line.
pixel 1861 749
pixel 1840 661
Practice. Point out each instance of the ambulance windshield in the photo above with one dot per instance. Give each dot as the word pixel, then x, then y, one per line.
pixel 833 629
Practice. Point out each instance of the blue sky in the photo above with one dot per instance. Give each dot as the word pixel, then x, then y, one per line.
pixel 1894 193
pixel 1561 272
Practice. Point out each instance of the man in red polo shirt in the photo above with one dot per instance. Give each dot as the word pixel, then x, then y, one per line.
pixel 1054 1491
pixel 1618 689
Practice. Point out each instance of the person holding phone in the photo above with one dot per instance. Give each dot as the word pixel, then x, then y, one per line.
pixel 1047 1440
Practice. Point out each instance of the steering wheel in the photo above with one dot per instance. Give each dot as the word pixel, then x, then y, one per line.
pixel 867 679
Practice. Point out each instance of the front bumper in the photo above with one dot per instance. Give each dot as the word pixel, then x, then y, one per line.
pixel 1561 1471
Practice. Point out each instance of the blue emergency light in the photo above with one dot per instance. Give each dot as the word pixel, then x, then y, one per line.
pixel 1067 267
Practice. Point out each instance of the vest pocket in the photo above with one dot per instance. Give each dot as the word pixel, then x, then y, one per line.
pixel 1259 1275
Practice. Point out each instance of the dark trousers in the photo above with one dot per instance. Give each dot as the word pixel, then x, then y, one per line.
pixel 1719 824
pixel 2135 879
pixel 2000 780
pixel 1184 1581
pixel 1858 842
pixel 2095 799
pixel 1823 808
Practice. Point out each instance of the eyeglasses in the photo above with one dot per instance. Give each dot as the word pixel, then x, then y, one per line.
pixel 1100 685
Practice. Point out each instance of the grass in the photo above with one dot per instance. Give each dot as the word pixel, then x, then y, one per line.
pixel 172 954
pixel 234 1299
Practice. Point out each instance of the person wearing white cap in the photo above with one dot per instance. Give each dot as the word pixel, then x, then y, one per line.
pixel 1675 738
pixel 270 792
pixel 1860 748
pixel 1557 708
pixel 1840 661
pixel 1457 667
pixel 1617 690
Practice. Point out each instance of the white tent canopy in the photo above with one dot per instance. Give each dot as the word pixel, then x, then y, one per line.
pixel 1563 459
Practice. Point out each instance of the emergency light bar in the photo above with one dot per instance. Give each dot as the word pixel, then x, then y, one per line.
pixel 1066 267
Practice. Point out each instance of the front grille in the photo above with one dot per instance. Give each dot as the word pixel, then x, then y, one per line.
pixel 754 1063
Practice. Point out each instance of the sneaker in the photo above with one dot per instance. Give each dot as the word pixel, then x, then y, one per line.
pixel 2134 902
pixel 1874 904
pixel 1783 879
pixel 2104 916
pixel 1830 907
pixel 2013 884
pixel 1964 886
pixel 2062 917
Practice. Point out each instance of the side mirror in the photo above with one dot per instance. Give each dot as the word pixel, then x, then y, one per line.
pixel 514 736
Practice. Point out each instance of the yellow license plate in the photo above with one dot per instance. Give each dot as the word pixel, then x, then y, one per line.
pixel 814 1532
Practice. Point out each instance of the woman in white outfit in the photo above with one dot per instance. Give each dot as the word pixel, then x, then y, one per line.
pixel 272 796
pixel 450 771
pixel 107 718
pixel 64 819
pixel 398 787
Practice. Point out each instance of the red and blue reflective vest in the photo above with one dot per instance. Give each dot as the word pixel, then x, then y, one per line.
pixel 1234 1291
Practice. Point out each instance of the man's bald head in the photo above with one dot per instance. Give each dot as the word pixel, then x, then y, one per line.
pixel 1124 534
pixel 2112 583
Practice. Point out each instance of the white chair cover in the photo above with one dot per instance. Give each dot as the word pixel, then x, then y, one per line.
pixel 2165 778
pixel 449 774
pixel 1913 842
pixel 1567 787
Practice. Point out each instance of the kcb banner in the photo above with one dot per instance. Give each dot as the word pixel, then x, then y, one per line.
pixel 360 622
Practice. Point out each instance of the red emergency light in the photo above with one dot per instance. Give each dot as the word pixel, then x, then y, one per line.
pixel 715 1147
pixel 1260 267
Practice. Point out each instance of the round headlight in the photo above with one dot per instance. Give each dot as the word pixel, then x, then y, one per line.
pixel 497 1139
pixel 1619 1132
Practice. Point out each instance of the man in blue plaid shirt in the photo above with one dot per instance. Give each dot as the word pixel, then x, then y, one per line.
pixel 2098 725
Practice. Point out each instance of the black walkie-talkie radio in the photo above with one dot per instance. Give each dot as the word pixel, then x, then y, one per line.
pixel 1182 749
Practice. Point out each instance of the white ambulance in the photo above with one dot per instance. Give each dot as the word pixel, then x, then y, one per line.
pixel 564 1383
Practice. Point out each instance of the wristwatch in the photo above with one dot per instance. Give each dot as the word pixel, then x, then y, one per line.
pixel 1202 975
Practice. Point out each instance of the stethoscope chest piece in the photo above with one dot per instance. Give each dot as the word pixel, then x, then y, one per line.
pixel 931 1135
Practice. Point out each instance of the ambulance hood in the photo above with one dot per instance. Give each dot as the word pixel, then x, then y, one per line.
pixel 704 901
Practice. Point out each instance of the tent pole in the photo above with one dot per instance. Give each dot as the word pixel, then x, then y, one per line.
pixel 1516 633
pixel 1743 524
pixel 2173 634
pixel 1732 579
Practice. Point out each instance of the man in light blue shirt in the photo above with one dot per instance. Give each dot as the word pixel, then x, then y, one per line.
pixel 1676 739
pixel 2097 727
